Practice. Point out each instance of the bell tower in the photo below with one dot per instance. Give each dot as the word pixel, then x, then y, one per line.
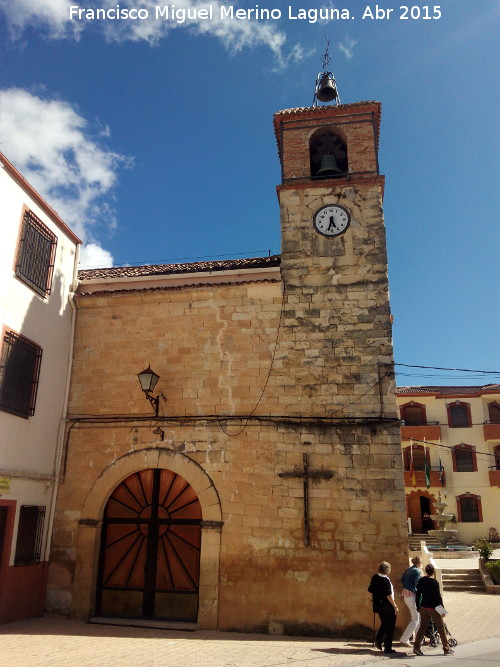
pixel 333 260
pixel 336 368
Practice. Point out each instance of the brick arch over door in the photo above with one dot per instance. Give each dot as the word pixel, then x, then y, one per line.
pixel 91 517
pixel 413 507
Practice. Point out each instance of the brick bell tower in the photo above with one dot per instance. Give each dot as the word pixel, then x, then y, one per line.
pixel 333 260
pixel 337 365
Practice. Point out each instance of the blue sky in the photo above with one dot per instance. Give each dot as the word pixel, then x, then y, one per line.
pixel 154 141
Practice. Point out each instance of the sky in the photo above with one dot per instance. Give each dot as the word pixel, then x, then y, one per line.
pixel 153 140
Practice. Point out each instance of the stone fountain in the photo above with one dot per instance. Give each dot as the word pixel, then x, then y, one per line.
pixel 443 535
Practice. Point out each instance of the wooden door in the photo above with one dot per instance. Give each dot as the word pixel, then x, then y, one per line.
pixel 414 512
pixel 150 549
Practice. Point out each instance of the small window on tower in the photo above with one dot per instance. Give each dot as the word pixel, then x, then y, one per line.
pixel 328 155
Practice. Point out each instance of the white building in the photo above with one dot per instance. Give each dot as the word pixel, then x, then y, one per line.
pixel 38 263
pixel 457 431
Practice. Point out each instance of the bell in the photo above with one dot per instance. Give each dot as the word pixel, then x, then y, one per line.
pixel 328 166
pixel 327 90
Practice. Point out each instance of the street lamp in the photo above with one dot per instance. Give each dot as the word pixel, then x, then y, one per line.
pixel 148 379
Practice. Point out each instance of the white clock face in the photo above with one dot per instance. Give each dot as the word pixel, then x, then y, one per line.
pixel 331 220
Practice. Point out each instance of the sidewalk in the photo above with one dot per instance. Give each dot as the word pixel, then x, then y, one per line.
pixel 57 642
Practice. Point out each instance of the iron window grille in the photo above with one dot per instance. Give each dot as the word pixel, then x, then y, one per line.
pixel 470 510
pixel 20 362
pixel 464 460
pixel 29 535
pixel 36 253
pixel 459 416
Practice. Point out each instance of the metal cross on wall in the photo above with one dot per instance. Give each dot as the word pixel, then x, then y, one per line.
pixel 306 474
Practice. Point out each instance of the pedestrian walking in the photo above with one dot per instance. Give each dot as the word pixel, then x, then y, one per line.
pixel 384 605
pixel 430 605
pixel 410 580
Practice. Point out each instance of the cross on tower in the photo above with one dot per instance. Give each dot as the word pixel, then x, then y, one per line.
pixel 306 474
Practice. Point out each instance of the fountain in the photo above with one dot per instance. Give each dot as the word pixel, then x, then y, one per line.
pixel 443 535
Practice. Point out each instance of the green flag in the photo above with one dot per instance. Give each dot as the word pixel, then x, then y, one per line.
pixel 427 471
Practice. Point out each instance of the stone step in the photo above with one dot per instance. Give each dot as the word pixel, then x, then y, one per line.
pixel 464 587
pixel 462 580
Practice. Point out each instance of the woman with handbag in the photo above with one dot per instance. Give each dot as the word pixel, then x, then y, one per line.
pixel 428 599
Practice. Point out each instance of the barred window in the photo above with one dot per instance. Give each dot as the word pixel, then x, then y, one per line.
pixel 35 255
pixel 29 535
pixel 19 372
pixel 469 509
pixel 413 414
pixel 459 415
pixel 464 458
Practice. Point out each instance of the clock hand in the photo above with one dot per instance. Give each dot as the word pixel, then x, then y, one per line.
pixel 332 223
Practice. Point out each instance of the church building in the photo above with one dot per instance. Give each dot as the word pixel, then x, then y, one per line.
pixel 251 477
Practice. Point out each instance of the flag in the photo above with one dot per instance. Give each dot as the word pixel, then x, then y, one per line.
pixel 441 472
pixel 412 471
pixel 427 470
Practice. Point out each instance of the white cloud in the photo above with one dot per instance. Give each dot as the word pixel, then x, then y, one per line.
pixel 51 145
pixel 54 15
pixel 347 47
pixel 93 256
pixel 51 14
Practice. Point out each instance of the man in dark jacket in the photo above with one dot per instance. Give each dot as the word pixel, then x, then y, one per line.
pixel 384 605
pixel 428 598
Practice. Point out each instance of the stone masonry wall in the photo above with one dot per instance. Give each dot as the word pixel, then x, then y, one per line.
pixel 212 348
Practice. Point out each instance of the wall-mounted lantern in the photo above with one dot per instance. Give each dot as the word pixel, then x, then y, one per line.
pixel 148 379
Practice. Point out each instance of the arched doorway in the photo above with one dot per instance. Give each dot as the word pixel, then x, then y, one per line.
pixel 420 505
pixel 149 564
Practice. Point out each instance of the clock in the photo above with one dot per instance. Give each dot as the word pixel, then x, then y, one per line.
pixel 331 220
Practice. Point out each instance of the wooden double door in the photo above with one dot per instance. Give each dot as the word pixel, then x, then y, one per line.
pixel 150 549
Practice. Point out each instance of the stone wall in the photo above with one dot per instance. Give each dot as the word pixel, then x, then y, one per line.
pixel 212 348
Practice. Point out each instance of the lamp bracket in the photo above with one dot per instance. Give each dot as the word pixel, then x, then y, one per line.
pixel 155 401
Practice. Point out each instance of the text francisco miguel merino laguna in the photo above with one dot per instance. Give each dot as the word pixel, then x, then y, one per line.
pixel 207 12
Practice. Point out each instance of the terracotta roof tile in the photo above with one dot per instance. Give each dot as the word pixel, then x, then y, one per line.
pixel 172 269
pixel 447 390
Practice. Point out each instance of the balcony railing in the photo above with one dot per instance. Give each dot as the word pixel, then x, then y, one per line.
pixel 435 475
pixel 429 431
pixel 494 476
pixel 491 430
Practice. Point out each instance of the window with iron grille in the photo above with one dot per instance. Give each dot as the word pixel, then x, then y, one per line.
pixel 35 255
pixel 464 458
pixel 459 415
pixel 29 535
pixel 413 414
pixel 494 413
pixel 19 372
pixel 469 509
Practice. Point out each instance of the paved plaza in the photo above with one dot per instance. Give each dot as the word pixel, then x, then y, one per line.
pixel 58 642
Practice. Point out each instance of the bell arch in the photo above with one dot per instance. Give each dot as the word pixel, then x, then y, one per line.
pixel 89 534
pixel 327 154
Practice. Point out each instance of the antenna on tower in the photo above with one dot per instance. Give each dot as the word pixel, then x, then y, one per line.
pixel 326 89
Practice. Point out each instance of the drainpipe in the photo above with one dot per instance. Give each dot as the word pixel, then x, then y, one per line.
pixel 62 424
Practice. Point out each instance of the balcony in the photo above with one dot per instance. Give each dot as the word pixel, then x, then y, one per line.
pixel 422 432
pixel 491 430
pixel 420 478
pixel 494 477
